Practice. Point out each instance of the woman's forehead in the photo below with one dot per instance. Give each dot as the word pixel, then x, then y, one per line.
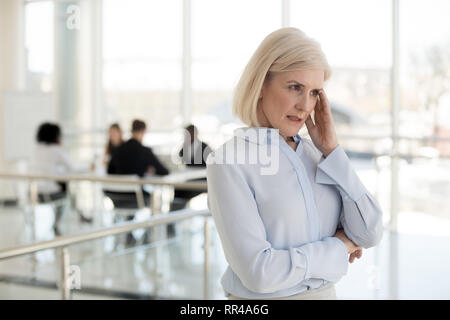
pixel 308 78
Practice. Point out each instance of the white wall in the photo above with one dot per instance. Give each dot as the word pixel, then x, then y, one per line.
pixel 11 68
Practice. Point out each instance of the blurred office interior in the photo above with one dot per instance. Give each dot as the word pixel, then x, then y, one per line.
pixel 86 64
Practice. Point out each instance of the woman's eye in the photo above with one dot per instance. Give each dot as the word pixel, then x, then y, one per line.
pixel 294 87
pixel 315 93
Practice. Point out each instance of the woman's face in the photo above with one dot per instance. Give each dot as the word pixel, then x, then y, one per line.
pixel 288 98
pixel 115 136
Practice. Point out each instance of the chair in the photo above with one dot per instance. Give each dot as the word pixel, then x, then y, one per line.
pixel 57 200
pixel 127 199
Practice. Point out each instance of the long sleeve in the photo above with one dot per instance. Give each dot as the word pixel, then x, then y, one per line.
pixel 112 166
pixel 154 161
pixel 65 165
pixel 64 161
pixel 361 215
pixel 260 267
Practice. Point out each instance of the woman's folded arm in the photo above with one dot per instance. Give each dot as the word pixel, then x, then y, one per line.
pixel 361 216
pixel 259 266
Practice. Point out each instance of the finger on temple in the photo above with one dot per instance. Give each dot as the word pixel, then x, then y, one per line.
pixel 317 106
pixel 323 97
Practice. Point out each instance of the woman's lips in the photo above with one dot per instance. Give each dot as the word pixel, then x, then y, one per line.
pixel 294 119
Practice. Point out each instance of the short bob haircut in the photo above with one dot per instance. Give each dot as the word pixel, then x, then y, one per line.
pixel 286 49
pixel 48 133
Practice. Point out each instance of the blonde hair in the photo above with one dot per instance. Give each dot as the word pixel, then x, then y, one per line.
pixel 286 49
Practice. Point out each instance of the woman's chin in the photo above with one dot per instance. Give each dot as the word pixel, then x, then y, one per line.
pixel 291 130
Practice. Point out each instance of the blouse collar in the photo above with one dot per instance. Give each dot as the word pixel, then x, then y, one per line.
pixel 261 135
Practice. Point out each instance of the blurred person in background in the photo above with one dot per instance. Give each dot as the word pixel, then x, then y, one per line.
pixel 133 158
pixel 51 159
pixel 193 154
pixel 115 139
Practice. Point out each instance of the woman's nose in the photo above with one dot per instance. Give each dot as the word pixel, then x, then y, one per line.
pixel 306 104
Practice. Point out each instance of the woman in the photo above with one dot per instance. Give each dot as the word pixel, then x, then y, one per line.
pixel 114 141
pixel 194 151
pixel 51 159
pixel 287 233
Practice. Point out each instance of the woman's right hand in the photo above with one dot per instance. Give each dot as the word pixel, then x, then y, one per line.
pixel 351 246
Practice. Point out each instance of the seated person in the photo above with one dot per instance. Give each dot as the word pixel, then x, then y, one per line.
pixel 114 141
pixel 132 157
pixel 51 159
pixel 193 154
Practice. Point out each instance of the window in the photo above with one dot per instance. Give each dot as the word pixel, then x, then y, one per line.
pixel 224 36
pixel 425 69
pixel 356 38
pixel 424 118
pixel 142 50
pixel 39 34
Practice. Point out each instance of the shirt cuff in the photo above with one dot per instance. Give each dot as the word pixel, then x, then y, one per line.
pixel 326 259
pixel 336 169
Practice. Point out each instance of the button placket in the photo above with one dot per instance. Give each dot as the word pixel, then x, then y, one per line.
pixel 306 187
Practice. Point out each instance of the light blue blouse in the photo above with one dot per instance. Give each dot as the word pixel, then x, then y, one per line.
pixel 277 229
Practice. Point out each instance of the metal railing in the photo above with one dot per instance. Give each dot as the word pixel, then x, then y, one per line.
pixel 201 186
pixel 63 242
pixel 154 181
